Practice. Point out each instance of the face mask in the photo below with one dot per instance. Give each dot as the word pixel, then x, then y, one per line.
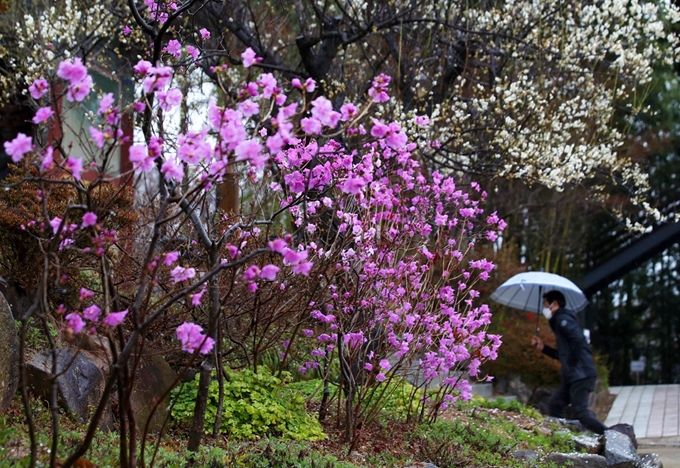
pixel 547 313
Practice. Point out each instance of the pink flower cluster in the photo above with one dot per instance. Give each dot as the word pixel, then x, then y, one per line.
pixel 80 82
pixel 402 242
pixel 192 338
pixel 77 322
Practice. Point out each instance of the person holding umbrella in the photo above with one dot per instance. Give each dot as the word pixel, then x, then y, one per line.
pixel 578 372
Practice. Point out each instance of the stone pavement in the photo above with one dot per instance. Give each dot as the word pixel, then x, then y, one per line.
pixel 653 411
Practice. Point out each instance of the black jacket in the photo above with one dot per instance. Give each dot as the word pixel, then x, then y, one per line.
pixel 572 350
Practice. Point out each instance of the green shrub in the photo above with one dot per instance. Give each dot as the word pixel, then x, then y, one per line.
pixel 255 404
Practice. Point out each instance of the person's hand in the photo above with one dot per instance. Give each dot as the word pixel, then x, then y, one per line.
pixel 537 342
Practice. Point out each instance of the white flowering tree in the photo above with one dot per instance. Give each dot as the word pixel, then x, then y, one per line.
pixel 334 170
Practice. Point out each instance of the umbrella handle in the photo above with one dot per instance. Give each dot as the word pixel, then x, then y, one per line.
pixel 538 311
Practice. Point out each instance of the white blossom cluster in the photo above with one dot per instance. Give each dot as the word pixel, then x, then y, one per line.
pixel 56 33
pixel 541 82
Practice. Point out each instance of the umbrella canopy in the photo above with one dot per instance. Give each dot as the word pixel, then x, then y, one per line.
pixel 525 291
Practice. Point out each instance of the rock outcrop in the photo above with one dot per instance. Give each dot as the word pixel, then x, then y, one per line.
pixel 9 355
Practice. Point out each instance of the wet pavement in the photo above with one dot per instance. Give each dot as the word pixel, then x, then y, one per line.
pixel 653 410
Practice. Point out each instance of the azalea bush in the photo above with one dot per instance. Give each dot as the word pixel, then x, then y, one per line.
pixel 342 249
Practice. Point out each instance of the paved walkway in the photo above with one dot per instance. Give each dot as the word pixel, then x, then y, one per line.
pixel 653 410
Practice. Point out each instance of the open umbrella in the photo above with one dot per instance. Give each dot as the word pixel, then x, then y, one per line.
pixel 525 291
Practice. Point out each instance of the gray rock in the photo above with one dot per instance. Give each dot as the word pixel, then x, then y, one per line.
pixel 626 429
pixel 18 301
pixel 482 389
pixel 515 386
pixel 584 443
pixel 9 355
pixel 540 399
pixel 619 450
pixel 577 460
pixel 527 455
pixel 571 424
pixel 80 381
pixel 650 460
pixel 153 378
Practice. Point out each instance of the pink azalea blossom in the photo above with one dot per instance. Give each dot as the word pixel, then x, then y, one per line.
pixel 115 318
pixel 396 140
pixel 170 258
pixel 379 129
pixel 269 272
pixel 310 85
pixel 379 88
pixel 55 223
pixel 269 85
pixel 73 71
pixel 194 147
pixel 84 293
pixel 98 136
pixel 278 246
pixel 302 268
pixel 380 377
pixel 192 338
pixel 38 88
pixel 322 110
pixel 18 147
pixel 422 120
pixel 252 273
pixel 140 159
pixel 249 108
pixel 205 34
pixel 248 150
pixel 142 67
pixel 105 103
pixel 249 58
pixel 349 111
pixel 78 90
pixel 127 30
pixel 172 170
pixel 75 322
pixel 48 160
pixel 75 165
pixel 353 185
pixel 42 115
pixel 385 364
pixel 156 79
pixel 311 126
pixel 92 313
pixel 174 48
pixel 196 298
pixel 89 219
pixel 169 100
pixel 179 274
pixel 291 257
pixel 193 52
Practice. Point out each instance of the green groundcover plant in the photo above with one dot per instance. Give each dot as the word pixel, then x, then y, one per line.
pixel 254 404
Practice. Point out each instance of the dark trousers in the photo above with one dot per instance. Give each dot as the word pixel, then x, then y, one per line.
pixel 576 393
